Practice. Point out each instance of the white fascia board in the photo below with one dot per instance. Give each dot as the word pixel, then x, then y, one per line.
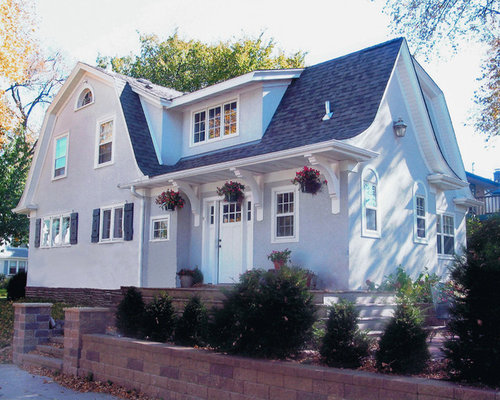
pixel 446 182
pixel 234 83
pixel 150 98
pixel 349 152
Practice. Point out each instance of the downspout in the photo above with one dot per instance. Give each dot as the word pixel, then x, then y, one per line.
pixel 141 231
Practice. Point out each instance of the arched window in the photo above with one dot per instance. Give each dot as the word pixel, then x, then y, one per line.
pixel 85 98
pixel 420 213
pixel 370 203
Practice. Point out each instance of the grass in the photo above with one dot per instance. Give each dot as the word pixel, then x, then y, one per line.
pixel 3 293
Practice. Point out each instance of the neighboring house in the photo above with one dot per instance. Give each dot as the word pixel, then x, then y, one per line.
pixel 13 260
pixel 110 144
pixel 487 192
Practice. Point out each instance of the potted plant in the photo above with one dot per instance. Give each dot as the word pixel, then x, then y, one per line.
pixel 279 258
pixel 169 200
pixel 190 277
pixel 308 179
pixel 186 277
pixel 232 191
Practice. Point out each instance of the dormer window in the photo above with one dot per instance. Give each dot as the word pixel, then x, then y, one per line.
pixel 85 98
pixel 218 122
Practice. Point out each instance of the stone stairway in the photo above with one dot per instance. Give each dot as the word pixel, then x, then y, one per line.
pixel 375 308
pixel 48 355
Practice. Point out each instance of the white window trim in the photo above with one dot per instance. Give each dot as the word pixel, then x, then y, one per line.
pixel 111 238
pixel 274 192
pixel 50 218
pixel 440 214
pixel 84 87
pixel 56 138
pixel 151 231
pixel 374 234
pixel 420 193
pixel 17 260
pixel 113 143
pixel 222 136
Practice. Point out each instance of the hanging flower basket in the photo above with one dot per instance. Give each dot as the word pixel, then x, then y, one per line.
pixel 308 179
pixel 170 200
pixel 232 191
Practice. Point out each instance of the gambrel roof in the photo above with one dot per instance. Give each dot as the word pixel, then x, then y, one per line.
pixel 353 84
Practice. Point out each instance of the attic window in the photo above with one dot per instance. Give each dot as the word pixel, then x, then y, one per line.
pixel 86 97
pixel 214 123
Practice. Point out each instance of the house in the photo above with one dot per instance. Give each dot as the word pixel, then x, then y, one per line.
pixel 374 123
pixel 13 260
pixel 487 192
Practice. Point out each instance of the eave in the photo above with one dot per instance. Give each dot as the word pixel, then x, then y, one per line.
pixel 467 202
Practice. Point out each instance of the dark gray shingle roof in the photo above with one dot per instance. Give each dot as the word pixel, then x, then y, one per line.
pixel 354 84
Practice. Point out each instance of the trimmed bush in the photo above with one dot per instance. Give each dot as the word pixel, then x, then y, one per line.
pixel 403 345
pixel 192 327
pixel 344 345
pixel 159 319
pixel 16 286
pixel 268 314
pixel 474 348
pixel 130 313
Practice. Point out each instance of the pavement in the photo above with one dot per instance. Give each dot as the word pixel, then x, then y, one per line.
pixel 17 384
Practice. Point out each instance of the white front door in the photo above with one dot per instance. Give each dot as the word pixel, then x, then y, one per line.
pixel 230 242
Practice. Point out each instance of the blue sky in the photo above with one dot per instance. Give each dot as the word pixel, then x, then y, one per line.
pixel 325 29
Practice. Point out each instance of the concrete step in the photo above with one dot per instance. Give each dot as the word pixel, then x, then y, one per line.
pixel 373 323
pixel 50 351
pixel 57 339
pixel 360 297
pixel 365 310
pixel 56 332
pixel 54 364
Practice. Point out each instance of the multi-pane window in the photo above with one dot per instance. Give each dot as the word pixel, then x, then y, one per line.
pixel 60 156
pixel 199 126
pixel 215 122
pixel 111 224
pixel 212 215
pixel 15 266
pixel 159 229
pixel 370 202
pixel 445 227
pixel 285 215
pixel 86 98
pixel 55 231
pixel 231 212
pixel 249 211
pixel 105 143
pixel 420 216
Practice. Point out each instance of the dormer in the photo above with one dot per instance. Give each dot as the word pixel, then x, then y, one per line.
pixel 223 115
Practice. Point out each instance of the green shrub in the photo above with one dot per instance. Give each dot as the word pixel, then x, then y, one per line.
pixel 407 289
pixel 197 276
pixel 403 345
pixel 159 318
pixel 192 327
pixel 130 313
pixel 474 348
pixel 268 314
pixel 344 345
pixel 16 287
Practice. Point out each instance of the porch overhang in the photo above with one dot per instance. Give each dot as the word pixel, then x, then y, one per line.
pixel 330 158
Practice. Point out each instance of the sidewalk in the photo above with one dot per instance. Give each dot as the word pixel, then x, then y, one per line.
pixel 17 384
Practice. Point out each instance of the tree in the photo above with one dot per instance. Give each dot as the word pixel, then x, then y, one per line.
pixel 188 65
pixel 15 159
pixel 430 24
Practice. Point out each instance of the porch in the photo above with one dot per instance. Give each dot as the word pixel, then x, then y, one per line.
pixel 490 204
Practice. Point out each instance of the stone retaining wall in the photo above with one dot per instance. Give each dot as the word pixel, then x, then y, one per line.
pixel 181 373
pixel 171 372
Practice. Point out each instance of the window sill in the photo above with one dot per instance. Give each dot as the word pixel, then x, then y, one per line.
pixel 159 240
pixel 420 241
pixel 57 178
pixel 111 241
pixel 371 235
pixel 55 247
pixel 82 107
pixel 275 240
pixel 208 141
pixel 446 257
pixel 97 166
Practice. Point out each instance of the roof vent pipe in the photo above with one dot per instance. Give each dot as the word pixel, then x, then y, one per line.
pixel 328 114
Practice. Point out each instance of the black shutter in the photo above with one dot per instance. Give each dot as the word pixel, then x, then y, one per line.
pixel 73 230
pixel 128 221
pixel 95 225
pixel 38 228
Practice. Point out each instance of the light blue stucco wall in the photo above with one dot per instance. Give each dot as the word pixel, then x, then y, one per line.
pixel 85 188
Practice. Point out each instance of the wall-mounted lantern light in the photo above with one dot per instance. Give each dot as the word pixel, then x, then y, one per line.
pixel 400 128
